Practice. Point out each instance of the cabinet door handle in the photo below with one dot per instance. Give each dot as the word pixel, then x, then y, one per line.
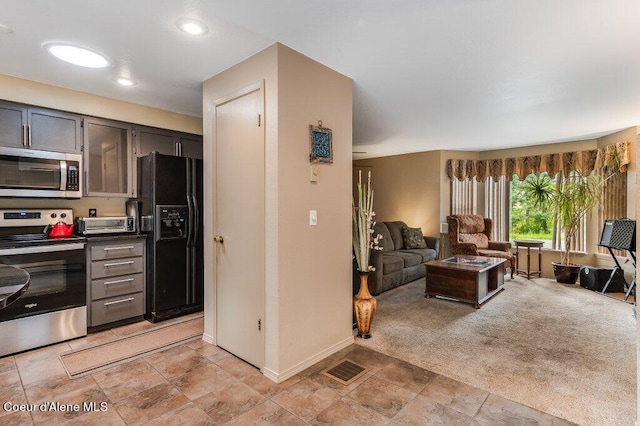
pixel 119 248
pixel 24 135
pixel 29 136
pixel 126 280
pixel 130 262
pixel 115 302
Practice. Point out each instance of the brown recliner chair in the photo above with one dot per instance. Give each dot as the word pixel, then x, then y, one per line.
pixel 470 234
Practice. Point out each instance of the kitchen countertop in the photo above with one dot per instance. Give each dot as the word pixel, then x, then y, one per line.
pixel 14 282
pixel 115 237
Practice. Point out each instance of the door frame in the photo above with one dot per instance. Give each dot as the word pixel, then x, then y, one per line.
pixel 255 87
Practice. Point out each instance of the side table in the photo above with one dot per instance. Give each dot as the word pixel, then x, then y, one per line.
pixel 529 244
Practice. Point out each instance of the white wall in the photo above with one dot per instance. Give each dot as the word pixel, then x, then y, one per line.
pixel 314 271
pixel 308 269
pixel 34 93
pixel 262 66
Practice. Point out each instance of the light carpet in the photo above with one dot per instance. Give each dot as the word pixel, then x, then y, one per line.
pixel 558 348
pixel 92 358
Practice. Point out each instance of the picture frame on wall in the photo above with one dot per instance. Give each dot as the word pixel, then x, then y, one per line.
pixel 321 149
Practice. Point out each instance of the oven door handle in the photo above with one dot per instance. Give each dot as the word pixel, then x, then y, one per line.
pixel 41 249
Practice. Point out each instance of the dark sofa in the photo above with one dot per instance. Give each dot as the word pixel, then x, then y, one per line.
pixel 396 264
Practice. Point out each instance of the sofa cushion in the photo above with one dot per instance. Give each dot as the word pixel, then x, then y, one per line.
pixel 395 229
pixel 413 238
pixel 409 259
pixel 385 243
pixel 427 254
pixel 480 240
pixel 390 281
pixel 391 264
pixel 413 273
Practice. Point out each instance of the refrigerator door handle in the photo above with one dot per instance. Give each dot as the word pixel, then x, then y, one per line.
pixel 190 223
pixel 196 222
pixel 189 202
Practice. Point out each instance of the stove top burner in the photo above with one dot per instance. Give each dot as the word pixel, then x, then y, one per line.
pixel 25 237
pixel 22 240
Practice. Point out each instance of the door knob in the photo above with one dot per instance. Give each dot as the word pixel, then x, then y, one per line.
pixel 219 239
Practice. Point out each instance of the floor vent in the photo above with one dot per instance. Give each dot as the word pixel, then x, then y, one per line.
pixel 345 372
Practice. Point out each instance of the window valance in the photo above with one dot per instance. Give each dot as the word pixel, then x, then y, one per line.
pixel 611 157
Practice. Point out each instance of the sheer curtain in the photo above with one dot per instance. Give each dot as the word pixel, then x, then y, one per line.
pixel 497 207
pixel 464 199
pixel 613 204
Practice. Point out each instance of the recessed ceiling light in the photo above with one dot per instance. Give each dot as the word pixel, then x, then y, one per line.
pixel 192 26
pixel 76 55
pixel 124 81
pixel 5 29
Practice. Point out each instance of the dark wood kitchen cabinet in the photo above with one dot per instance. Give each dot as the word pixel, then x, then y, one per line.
pixel 116 281
pixel 24 126
pixel 150 139
pixel 167 142
pixel 190 146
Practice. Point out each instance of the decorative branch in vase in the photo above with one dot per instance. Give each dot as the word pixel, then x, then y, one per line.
pixel 364 305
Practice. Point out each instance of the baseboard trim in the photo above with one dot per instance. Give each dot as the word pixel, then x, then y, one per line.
pixel 208 338
pixel 290 372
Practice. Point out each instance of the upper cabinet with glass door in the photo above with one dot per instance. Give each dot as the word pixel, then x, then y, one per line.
pixel 29 127
pixel 108 158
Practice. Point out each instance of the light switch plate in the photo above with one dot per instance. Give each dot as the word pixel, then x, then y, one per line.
pixel 314 173
pixel 313 217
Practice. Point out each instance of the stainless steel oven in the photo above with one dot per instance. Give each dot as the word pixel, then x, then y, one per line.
pixel 53 308
pixel 33 173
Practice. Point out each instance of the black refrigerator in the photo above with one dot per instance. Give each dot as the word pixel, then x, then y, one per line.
pixel 170 212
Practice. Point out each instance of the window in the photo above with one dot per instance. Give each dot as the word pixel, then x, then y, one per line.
pixel 528 221
pixel 515 216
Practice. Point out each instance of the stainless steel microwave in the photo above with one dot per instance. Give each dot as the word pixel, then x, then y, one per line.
pixel 33 173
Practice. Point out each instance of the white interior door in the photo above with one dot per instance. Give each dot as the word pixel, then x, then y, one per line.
pixel 240 224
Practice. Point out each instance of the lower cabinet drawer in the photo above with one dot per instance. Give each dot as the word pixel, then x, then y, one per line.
pixel 116 308
pixel 117 250
pixel 110 268
pixel 110 287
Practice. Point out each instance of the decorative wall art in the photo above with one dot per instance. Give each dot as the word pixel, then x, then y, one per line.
pixel 321 148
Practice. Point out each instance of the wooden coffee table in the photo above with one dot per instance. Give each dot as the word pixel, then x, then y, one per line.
pixel 473 279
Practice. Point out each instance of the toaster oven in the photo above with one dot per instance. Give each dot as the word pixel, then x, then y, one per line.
pixel 105 225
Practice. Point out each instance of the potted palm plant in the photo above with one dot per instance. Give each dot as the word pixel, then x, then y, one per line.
pixel 364 305
pixel 571 198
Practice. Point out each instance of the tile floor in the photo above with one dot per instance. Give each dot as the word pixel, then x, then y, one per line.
pixel 197 383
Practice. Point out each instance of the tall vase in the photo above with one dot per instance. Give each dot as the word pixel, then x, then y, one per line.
pixel 364 306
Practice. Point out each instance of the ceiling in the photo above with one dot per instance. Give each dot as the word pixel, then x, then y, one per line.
pixel 428 74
